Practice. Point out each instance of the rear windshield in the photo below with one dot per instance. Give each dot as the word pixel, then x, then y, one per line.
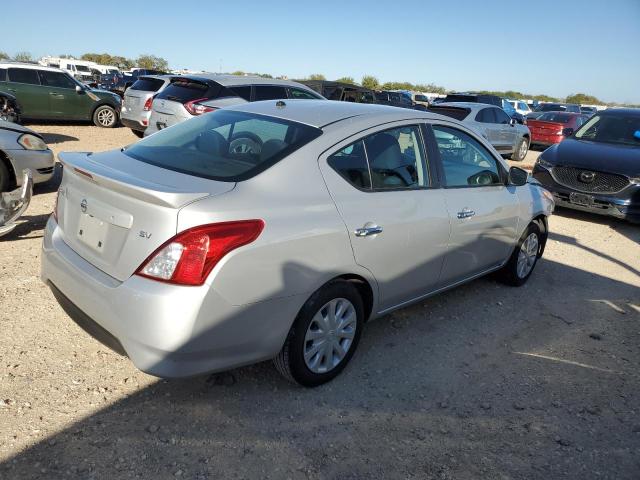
pixel 184 90
pixel 551 107
pixel 148 84
pixel 223 145
pixel 555 117
pixel 453 112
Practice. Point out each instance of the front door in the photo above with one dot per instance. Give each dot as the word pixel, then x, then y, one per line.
pixel 509 131
pixel 483 210
pixel 397 224
pixel 65 102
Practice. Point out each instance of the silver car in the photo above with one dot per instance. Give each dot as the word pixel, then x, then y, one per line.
pixel 191 95
pixel 191 256
pixel 20 149
pixel 136 104
pixel 507 136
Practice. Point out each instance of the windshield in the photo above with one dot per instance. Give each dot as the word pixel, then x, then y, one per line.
pixel 223 145
pixel 82 68
pixel 620 129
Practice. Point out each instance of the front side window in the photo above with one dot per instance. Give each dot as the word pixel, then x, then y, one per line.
pixel 501 117
pixel 24 75
pixel 269 92
pixel 224 145
pixel 466 163
pixel 56 79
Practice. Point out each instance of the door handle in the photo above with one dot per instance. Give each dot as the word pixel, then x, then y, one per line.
pixel 56 94
pixel 366 231
pixel 466 213
pixel 11 89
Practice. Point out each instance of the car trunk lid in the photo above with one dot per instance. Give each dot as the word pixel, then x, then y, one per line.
pixel 114 211
pixel 545 128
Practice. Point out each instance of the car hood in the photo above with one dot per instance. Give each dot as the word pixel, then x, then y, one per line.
pixel 14 127
pixel 105 94
pixel 621 159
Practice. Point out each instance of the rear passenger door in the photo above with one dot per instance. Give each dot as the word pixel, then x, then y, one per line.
pixel 24 83
pixel 396 220
pixel 482 208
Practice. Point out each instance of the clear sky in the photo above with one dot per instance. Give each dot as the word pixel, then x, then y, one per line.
pixel 556 47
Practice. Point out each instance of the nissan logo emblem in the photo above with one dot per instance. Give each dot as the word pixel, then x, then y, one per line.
pixel 586 177
pixel 83 205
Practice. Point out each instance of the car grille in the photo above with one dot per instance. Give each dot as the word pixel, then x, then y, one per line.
pixel 589 181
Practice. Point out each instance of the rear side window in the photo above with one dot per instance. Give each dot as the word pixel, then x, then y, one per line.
pixel 185 90
pixel 269 92
pixel 303 94
pixel 147 84
pixel 56 79
pixel 486 115
pixel 242 92
pixel 224 145
pixel 24 75
pixel 3 74
pixel 351 164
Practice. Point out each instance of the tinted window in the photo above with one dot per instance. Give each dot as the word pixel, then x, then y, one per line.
pixel 24 75
pixel 501 117
pixel 224 145
pixel 351 164
pixel 242 92
pixel 464 160
pixel 396 158
pixel 619 129
pixel 299 93
pixel 556 117
pixel 269 92
pixel 3 74
pixel 147 84
pixel 486 115
pixel 453 112
pixel 185 90
pixel 421 98
pixel 56 79
pixel 522 106
pixel 332 93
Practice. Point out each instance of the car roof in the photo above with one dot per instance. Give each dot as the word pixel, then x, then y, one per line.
pixel 625 112
pixel 320 113
pixel 470 105
pixel 30 66
pixel 230 80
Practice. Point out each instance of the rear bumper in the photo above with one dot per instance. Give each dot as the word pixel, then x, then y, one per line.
pixel 624 205
pixel 133 124
pixel 41 163
pixel 166 330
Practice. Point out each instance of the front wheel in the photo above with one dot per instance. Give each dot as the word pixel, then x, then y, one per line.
pixel 524 258
pixel 105 117
pixel 521 150
pixel 324 336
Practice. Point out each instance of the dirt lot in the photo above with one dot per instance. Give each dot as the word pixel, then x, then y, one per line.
pixel 484 381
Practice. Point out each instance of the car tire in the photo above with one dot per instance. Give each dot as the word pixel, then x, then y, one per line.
pixel 524 258
pixel 105 116
pixel 303 359
pixel 137 133
pixel 522 147
pixel 5 177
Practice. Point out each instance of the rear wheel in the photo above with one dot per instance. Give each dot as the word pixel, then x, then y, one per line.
pixel 105 117
pixel 521 150
pixel 524 258
pixel 324 336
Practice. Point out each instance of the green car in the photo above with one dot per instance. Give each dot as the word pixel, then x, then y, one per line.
pixel 46 93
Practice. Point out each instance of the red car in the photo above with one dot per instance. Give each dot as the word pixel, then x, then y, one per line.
pixel 553 127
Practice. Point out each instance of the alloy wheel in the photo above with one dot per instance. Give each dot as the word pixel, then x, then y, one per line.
pixel 106 117
pixel 527 255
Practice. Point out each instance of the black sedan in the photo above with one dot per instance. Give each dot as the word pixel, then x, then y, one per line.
pixel 597 169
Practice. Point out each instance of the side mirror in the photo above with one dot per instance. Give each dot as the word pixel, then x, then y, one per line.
pixel 567 131
pixel 512 122
pixel 79 90
pixel 518 176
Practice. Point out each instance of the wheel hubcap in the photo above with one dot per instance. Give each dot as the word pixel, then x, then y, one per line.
pixel 330 335
pixel 523 149
pixel 527 255
pixel 105 117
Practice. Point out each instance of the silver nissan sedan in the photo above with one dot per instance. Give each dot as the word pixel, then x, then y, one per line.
pixel 190 256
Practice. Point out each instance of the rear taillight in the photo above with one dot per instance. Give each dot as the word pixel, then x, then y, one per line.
pixel 147 104
pixel 194 108
pixel 189 257
pixel 55 206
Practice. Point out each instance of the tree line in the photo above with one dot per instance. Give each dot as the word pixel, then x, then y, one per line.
pixel 153 62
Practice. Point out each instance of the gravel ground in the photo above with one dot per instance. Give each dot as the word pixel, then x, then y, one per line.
pixel 484 381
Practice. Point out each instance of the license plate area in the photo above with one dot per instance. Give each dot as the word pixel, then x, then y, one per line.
pixel 92 232
pixel 581 199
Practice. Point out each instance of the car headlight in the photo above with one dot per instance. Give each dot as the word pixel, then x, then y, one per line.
pixel 31 142
pixel 635 180
pixel 543 163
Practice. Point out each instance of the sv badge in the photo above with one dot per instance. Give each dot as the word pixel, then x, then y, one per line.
pixel 144 234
